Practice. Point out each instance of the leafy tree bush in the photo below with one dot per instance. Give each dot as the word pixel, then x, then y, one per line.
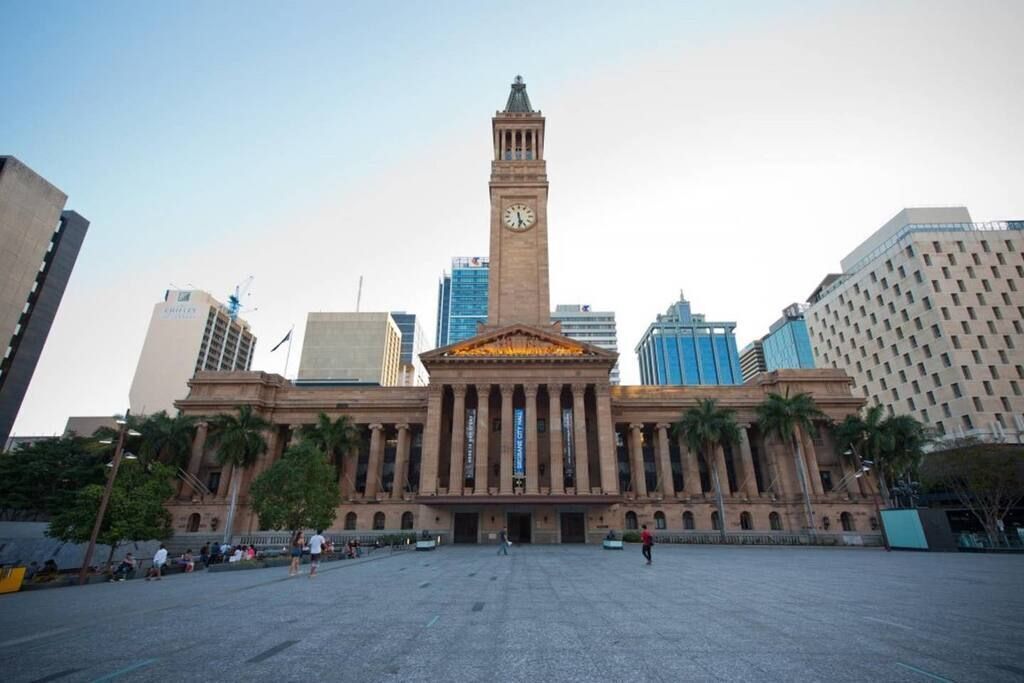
pixel 44 477
pixel 299 491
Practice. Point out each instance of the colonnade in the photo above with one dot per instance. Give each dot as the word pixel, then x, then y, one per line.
pixel 518 143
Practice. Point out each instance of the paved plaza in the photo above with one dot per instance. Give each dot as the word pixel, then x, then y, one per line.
pixel 545 613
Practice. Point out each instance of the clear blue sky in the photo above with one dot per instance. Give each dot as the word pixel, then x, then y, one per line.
pixel 701 146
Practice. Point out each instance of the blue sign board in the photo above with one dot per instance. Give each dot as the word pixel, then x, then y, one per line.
pixel 519 444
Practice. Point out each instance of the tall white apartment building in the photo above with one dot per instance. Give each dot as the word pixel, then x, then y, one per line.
pixel 927 317
pixel 352 348
pixel 593 327
pixel 189 331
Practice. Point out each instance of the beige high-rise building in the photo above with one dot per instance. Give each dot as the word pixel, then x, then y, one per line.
pixel 927 317
pixel 39 244
pixel 190 331
pixel 356 348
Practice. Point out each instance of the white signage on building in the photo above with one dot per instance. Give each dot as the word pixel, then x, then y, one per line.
pixel 190 312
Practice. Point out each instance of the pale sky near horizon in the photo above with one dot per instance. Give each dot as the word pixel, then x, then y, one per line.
pixel 736 151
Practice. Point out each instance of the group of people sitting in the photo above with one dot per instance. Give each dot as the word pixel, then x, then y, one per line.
pixel 226 553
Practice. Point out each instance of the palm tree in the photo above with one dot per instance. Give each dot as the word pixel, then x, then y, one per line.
pixel 240 442
pixel 334 438
pixel 706 427
pixel 893 445
pixel 787 417
pixel 167 439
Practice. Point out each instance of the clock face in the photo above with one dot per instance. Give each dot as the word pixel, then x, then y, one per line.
pixel 519 217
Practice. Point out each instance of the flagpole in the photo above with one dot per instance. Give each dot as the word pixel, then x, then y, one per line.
pixel 288 354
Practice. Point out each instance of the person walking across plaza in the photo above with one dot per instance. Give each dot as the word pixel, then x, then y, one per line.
pixel 503 541
pixel 298 540
pixel 646 540
pixel 159 560
pixel 316 545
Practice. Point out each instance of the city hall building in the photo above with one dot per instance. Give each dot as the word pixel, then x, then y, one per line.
pixel 520 426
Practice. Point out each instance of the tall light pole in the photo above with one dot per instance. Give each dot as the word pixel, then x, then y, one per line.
pixel 865 466
pixel 83 574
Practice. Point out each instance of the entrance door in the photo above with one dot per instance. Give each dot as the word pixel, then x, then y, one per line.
pixel 573 528
pixel 519 525
pixel 466 527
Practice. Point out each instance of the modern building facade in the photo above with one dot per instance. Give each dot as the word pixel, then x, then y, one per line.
pixel 189 332
pixel 520 427
pixel 462 299
pixel 787 344
pixel 927 317
pixel 752 360
pixel 581 323
pixel 411 372
pixel 351 348
pixel 39 244
pixel 681 347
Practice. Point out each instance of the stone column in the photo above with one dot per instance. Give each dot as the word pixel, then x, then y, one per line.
pixel 376 463
pixel 347 478
pixel 555 434
pixel 456 469
pixel 749 483
pixel 723 472
pixel 483 442
pixel 431 441
pixel 636 460
pixel 811 458
pixel 776 453
pixel 607 452
pixel 196 461
pixel 579 421
pixel 224 488
pixel 532 470
pixel 668 488
pixel 691 469
pixel 401 461
pixel 507 433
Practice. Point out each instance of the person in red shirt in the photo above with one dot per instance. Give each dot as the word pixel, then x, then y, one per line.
pixel 646 541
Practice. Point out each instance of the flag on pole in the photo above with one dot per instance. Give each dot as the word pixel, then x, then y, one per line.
pixel 286 338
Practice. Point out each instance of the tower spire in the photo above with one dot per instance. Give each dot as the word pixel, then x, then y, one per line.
pixel 518 100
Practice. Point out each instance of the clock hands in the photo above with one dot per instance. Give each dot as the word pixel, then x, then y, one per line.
pixel 520 218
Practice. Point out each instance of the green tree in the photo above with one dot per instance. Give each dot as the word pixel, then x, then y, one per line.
pixel 167 439
pixel 787 418
pixel 240 442
pixel 893 445
pixel 41 478
pixel 297 492
pixel 706 427
pixel 334 438
pixel 988 479
pixel 136 510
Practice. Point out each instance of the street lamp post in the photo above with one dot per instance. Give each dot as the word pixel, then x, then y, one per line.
pixel 864 466
pixel 123 430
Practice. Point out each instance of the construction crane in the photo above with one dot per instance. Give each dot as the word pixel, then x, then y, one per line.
pixel 234 306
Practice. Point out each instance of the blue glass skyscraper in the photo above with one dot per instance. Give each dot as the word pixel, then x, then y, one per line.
pixel 462 299
pixel 787 344
pixel 680 347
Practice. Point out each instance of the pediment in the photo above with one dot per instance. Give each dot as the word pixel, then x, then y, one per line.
pixel 519 342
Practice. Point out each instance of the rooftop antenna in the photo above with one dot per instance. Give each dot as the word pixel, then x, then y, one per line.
pixel 359 294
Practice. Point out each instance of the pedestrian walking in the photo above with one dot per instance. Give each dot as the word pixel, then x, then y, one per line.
pixel 646 540
pixel 159 560
pixel 298 540
pixel 503 542
pixel 316 544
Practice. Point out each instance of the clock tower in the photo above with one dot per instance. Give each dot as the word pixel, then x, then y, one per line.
pixel 518 278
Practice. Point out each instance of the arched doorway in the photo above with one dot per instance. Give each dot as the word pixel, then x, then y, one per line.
pixel 846 519
pixel 775 522
pixel 631 521
pixel 378 521
pixel 350 521
pixel 746 521
pixel 688 520
pixel 193 523
pixel 716 523
pixel 659 520
pixel 407 520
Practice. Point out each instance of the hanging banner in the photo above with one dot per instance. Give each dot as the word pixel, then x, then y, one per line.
pixel 519 444
pixel 470 443
pixel 568 454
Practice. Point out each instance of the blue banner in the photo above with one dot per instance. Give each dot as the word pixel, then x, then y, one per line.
pixel 568 453
pixel 470 461
pixel 519 444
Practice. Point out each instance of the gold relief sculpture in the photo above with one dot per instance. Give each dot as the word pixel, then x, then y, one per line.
pixel 518 345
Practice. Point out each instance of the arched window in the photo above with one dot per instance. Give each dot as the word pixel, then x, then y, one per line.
pixel 378 521
pixel 746 522
pixel 715 523
pixel 775 521
pixel 406 520
pixel 350 521
pixel 631 522
pixel 193 523
pixel 659 520
pixel 846 519
pixel 688 520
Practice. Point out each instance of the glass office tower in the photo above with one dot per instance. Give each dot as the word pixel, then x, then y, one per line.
pixel 787 344
pixel 462 299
